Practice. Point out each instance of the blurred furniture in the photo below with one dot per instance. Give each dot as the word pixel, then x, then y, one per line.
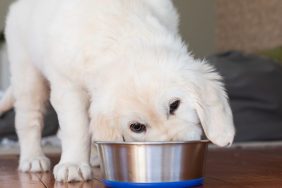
pixel 7 124
pixel 253 85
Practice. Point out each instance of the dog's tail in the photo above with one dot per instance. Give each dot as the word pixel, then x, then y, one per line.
pixel 7 101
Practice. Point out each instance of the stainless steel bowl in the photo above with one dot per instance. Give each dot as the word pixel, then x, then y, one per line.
pixel 151 162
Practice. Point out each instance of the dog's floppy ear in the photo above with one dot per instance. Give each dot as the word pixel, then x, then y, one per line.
pixel 211 103
pixel 104 128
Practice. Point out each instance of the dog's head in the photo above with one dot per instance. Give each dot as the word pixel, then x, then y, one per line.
pixel 171 99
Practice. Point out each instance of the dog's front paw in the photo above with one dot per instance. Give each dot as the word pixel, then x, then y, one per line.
pixel 35 164
pixel 69 172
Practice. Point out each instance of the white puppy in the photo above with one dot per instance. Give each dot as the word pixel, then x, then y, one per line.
pixel 117 70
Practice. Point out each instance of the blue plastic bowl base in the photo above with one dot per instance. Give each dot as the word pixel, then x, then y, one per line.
pixel 178 184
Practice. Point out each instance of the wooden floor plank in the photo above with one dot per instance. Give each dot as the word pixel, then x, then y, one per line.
pixel 232 168
pixel 10 177
pixel 247 168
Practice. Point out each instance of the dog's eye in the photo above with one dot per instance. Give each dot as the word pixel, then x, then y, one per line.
pixel 174 106
pixel 137 127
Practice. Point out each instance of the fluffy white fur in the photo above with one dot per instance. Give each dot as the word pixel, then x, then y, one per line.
pixel 107 64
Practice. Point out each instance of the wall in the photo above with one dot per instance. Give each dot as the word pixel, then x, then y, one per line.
pixel 248 25
pixel 4 4
pixel 197 25
pixel 4 66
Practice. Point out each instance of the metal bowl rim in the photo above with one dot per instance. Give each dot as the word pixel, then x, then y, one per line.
pixel 151 143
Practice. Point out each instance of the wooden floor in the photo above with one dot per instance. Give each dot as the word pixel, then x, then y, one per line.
pixel 232 168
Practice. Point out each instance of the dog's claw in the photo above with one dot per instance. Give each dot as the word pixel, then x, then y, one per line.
pixel 69 172
pixel 37 164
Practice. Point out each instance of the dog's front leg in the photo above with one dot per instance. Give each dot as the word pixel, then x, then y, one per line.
pixel 71 105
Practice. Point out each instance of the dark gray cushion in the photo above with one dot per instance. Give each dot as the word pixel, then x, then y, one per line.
pixel 254 86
